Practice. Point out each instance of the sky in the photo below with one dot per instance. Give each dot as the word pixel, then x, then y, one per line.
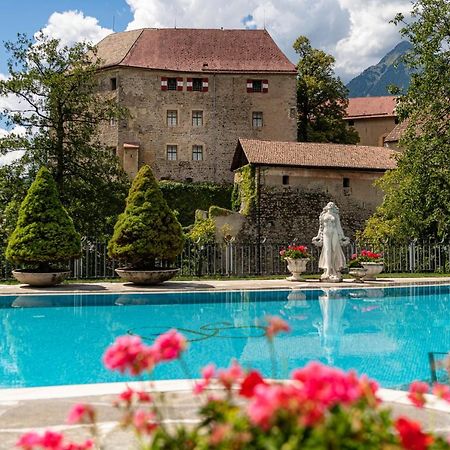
pixel 356 32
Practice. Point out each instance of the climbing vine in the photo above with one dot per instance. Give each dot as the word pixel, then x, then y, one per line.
pixel 245 191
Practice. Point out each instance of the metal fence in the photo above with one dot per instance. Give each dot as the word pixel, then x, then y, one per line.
pixel 242 260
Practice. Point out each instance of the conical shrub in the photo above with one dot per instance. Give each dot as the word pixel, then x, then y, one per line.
pixel 44 232
pixel 148 229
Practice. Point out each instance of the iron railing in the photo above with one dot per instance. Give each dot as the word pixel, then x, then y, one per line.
pixel 241 260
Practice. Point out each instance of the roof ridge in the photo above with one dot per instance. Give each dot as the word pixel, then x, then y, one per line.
pixel 132 45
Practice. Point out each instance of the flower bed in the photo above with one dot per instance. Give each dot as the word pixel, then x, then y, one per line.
pixel 320 407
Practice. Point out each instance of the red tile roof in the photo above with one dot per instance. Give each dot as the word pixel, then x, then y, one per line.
pixel 363 107
pixel 311 154
pixel 194 50
pixel 397 132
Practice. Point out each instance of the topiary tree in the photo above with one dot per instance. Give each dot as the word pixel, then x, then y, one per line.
pixel 44 233
pixel 148 229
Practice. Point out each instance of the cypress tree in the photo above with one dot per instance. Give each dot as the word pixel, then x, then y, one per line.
pixel 148 229
pixel 44 233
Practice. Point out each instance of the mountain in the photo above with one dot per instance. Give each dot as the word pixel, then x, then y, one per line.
pixel 375 80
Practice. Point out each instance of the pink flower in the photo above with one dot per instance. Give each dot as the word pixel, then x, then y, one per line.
pixel 50 440
pixel 275 326
pixel 81 413
pixel 144 421
pixel 417 389
pixel 130 395
pixel 411 435
pixel 231 375
pixel 249 384
pixel 29 440
pixel 128 353
pixel 168 346
pixel 442 391
pixel 207 375
pixel 86 445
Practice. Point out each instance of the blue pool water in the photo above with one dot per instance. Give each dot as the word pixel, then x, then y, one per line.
pixel 384 333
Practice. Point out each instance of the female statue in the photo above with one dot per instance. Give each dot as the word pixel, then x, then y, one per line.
pixel 331 238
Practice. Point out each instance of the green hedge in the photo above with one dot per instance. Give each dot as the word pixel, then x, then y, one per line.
pixel 185 198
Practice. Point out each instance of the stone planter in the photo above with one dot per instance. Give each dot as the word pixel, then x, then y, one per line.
pixel 41 279
pixel 296 266
pixel 357 273
pixel 373 269
pixel 146 277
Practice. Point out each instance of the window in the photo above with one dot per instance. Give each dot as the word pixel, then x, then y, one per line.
pixel 197 153
pixel 172 118
pixel 112 122
pixel 351 123
pixel 171 84
pixel 285 179
pixel 257 85
pixel 396 121
pixel 197 84
pixel 197 118
pixel 257 119
pixel 346 182
pixel 171 152
pixel 113 83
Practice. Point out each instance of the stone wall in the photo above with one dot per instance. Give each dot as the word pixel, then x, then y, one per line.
pixel 227 115
pixel 285 213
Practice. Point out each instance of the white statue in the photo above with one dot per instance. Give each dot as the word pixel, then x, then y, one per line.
pixel 331 238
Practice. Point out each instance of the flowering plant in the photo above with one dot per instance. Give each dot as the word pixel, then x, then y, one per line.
pixel 365 256
pixel 295 252
pixel 318 408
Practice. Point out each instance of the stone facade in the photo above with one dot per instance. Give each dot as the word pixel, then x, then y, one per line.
pixel 287 212
pixel 227 109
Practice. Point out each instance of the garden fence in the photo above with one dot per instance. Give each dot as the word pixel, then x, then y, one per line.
pixel 241 260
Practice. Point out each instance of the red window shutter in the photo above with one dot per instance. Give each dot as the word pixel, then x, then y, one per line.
pixel 205 85
pixel 189 84
pixel 179 84
pixel 265 86
pixel 164 83
pixel 249 86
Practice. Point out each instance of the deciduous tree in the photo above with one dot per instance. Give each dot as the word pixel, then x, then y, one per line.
pixel 61 111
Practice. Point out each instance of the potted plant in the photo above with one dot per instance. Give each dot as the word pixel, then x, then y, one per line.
pixel 147 232
pixel 356 270
pixel 296 256
pixel 44 237
pixel 372 262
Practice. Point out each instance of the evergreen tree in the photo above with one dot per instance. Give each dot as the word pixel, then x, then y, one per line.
pixel 148 229
pixel 45 232
pixel 321 98
pixel 61 111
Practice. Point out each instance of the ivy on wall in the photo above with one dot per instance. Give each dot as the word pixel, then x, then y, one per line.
pixel 186 198
pixel 245 191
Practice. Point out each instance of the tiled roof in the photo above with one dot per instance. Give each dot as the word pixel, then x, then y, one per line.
pixel 311 154
pixel 194 50
pixel 362 107
pixel 397 132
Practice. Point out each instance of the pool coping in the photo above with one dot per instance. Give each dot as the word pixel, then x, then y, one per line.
pixel 13 395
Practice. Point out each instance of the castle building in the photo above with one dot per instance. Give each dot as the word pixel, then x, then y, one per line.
pixel 191 93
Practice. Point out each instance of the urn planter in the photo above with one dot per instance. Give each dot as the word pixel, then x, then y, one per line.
pixel 40 279
pixel 372 270
pixel 357 273
pixel 296 266
pixel 146 277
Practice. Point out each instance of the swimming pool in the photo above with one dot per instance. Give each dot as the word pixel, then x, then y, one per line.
pixel 385 333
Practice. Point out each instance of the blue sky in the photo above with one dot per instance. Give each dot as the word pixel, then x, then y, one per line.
pixel 356 32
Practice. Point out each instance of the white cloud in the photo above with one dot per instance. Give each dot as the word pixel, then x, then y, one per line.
pixel 356 32
pixel 74 26
pixel 14 155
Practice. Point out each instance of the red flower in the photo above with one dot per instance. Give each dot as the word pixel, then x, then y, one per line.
pixel 168 346
pixel 411 435
pixel 417 389
pixel 275 326
pixel 249 383
pixel 81 413
pixel 144 422
pixel 442 391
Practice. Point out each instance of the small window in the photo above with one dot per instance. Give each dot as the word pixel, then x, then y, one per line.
pixel 197 84
pixel 113 83
pixel 197 118
pixel 396 121
pixel 197 153
pixel 171 152
pixel 351 123
pixel 257 85
pixel 346 182
pixel 189 180
pixel 172 118
pixel 171 84
pixel 257 119
pixel 285 179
